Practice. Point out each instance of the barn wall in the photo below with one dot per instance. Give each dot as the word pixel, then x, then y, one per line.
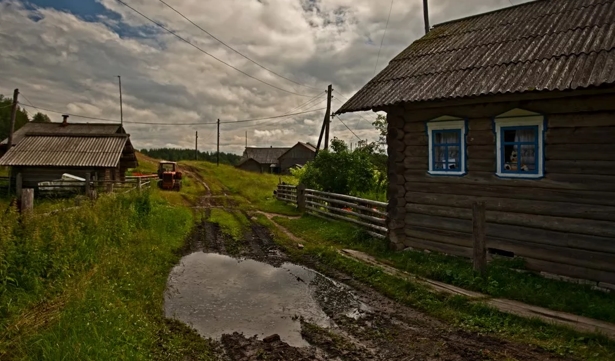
pixel 251 166
pixel 31 176
pixel 297 155
pixel 563 223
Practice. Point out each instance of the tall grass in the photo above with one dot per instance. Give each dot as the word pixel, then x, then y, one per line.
pixel 88 284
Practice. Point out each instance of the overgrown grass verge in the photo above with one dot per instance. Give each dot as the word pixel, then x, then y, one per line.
pixel 88 284
pixel 324 239
pixel 255 188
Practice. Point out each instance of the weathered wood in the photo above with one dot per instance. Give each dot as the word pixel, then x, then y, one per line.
pixel 333 215
pixel 301 197
pixel 415 151
pixel 539 207
pixel 439 247
pixel 395 133
pixel 416 163
pixel 416 138
pixel 604 183
pixel 572 225
pixel 396 168
pixel 346 213
pixel 481 152
pixel 595 167
pixel 396 146
pixel 478 238
pixel 443 223
pixel 19 185
pixel 585 135
pixel 395 121
pixel 482 165
pixel 345 197
pixel 480 137
pixel 344 203
pixel 579 152
pixel 396 202
pixel 413 127
pixel 597 119
pixel 570 270
pixel 480 124
pixel 26 200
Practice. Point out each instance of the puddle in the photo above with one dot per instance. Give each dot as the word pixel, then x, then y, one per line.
pixel 217 294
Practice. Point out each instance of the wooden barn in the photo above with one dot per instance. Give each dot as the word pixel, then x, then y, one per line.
pixel 261 160
pixel 514 108
pixel 45 151
pixel 298 155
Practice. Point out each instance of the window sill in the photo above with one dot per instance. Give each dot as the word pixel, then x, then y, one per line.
pixel 454 174
pixel 519 175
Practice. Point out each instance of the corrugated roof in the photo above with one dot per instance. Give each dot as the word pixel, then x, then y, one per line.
pixel 70 128
pixel 67 150
pixel 263 155
pixel 308 146
pixel 543 45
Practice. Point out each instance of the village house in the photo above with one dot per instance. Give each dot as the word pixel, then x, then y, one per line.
pixel 276 160
pixel 513 108
pixel 44 151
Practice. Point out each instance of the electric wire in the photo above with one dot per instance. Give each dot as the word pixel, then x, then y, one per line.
pixel 206 53
pixel 25 97
pixel 347 127
pixel 362 117
pixel 278 120
pixel 383 35
pixel 231 48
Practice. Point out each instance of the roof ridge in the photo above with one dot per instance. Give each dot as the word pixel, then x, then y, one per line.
pixel 396 59
pixel 497 65
pixel 426 37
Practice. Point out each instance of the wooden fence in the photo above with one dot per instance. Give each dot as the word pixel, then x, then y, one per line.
pixel 368 214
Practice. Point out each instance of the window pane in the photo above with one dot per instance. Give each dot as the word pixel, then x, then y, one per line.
pixel 527 157
pixel 439 166
pixel 454 158
pixel 447 137
pixel 439 154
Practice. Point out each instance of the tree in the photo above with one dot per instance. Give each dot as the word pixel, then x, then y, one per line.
pixel 41 118
pixel 5 117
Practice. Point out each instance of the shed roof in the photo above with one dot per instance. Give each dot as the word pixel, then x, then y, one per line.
pixel 308 146
pixel 67 150
pixel 263 155
pixel 59 128
pixel 543 45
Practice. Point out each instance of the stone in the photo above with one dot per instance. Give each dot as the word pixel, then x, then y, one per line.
pixel 272 338
pixel 300 246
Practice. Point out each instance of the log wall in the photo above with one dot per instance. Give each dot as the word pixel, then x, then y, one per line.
pixel 563 223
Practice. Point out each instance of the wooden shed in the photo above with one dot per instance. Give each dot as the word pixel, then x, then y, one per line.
pixel 44 151
pixel 514 108
pixel 261 160
pixel 298 155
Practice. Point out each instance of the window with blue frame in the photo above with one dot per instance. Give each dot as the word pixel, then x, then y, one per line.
pixel 446 150
pixel 447 146
pixel 520 144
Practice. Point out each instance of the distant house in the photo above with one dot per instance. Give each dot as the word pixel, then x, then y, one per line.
pixel 261 160
pixel 513 108
pixel 297 156
pixel 45 151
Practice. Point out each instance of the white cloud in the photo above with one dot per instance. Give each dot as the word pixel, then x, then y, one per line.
pixel 65 63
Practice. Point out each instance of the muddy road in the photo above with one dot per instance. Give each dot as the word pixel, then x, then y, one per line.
pixel 247 296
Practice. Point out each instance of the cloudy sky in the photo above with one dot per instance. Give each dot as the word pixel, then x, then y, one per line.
pixel 65 55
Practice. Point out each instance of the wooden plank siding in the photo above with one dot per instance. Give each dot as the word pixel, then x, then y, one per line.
pixel 563 223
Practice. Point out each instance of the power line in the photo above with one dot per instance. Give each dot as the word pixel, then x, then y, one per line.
pixel 206 53
pixel 383 35
pixel 231 48
pixel 362 117
pixel 72 115
pixel 276 121
pixel 338 117
pixel 308 102
pixel 28 100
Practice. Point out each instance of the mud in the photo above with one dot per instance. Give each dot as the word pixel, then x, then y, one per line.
pixel 241 300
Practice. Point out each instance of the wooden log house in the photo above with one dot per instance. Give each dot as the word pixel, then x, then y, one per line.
pixel 514 108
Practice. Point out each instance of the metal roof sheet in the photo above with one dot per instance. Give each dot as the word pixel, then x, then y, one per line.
pixel 65 150
pixel 59 128
pixel 543 45
pixel 263 155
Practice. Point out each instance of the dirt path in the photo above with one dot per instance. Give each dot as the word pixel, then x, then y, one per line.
pixel 388 331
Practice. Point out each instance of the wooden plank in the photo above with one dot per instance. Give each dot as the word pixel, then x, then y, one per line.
pixel 347 213
pixel 579 152
pixel 416 163
pixel 604 183
pixel 439 247
pixel 480 124
pixel 416 138
pixel 560 209
pixel 479 256
pixel 594 167
pixel 327 214
pixel 569 270
pixel 481 165
pixel 481 152
pixel 572 225
pixel 598 119
pixel 480 137
pixel 395 146
pixel 349 204
pixel 413 127
pixel 435 222
pixel 349 198
pixel 416 151
pixel 585 135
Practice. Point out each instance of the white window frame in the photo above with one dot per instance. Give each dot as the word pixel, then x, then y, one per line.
pixel 445 123
pixel 519 117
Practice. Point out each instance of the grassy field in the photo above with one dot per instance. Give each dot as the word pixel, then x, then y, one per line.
pixel 88 284
pixel 324 239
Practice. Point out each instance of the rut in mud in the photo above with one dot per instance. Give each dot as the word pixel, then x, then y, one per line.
pixel 381 330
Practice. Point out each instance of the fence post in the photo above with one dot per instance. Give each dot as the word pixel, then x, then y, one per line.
pixel 478 228
pixel 301 198
pixel 87 184
pixel 18 185
pixel 139 184
pixel 26 200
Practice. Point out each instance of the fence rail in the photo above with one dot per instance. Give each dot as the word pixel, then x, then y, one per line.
pixel 368 214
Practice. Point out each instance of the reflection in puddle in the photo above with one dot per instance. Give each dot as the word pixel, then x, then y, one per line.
pixel 217 294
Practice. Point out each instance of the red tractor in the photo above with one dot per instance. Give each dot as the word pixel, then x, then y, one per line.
pixel 170 177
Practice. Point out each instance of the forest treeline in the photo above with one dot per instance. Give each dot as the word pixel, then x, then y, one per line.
pixel 177 154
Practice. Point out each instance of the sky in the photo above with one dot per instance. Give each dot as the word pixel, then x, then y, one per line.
pixel 65 56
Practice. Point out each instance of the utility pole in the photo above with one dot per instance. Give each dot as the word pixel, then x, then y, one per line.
pixel 246 138
pixel 13 115
pixel 196 145
pixel 325 124
pixel 119 78
pixel 426 15
pixel 218 149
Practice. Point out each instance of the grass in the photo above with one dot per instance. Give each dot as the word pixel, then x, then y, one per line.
pixel 4 171
pixel 502 280
pixel 323 239
pixel 88 284
pixel 147 165
pixel 253 189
